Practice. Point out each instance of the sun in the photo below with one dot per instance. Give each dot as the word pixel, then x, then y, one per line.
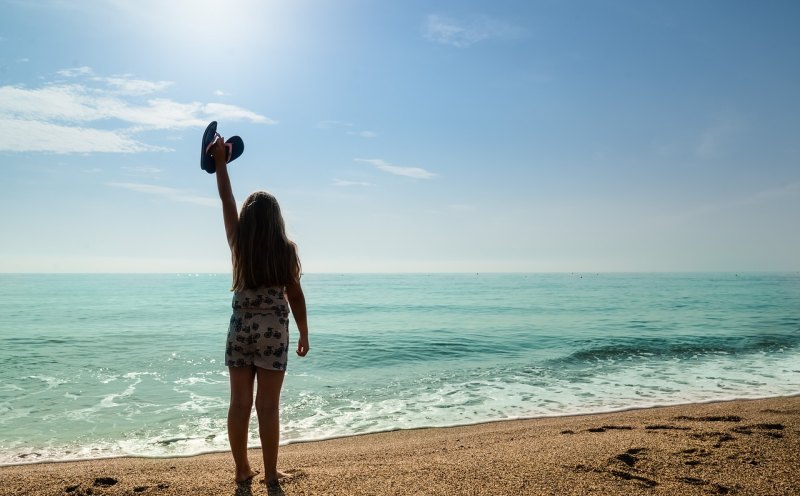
pixel 190 31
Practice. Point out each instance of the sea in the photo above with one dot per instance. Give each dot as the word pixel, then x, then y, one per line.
pixel 107 365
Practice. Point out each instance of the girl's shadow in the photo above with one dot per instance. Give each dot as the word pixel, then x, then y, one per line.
pixel 246 489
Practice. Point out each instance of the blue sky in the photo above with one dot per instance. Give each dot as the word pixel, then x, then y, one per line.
pixel 404 136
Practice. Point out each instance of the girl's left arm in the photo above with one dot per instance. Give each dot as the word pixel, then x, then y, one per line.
pixel 297 302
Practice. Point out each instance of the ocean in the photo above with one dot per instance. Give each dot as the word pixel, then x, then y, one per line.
pixel 95 366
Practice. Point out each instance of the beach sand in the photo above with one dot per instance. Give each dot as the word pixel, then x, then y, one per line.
pixel 736 447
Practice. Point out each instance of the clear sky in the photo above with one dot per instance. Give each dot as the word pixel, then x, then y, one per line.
pixel 403 136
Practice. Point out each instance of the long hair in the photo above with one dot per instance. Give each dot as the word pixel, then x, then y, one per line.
pixel 262 253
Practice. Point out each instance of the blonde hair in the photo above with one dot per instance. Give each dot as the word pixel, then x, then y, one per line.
pixel 262 253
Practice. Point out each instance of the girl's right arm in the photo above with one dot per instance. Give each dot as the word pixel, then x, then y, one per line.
pixel 225 191
pixel 297 302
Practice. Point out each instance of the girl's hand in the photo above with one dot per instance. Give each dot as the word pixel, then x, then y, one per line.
pixel 302 346
pixel 217 151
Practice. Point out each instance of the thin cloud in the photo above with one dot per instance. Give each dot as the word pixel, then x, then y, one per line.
pixel 713 140
pixel 100 114
pixel 764 196
pixel 415 172
pixel 33 136
pixel 75 71
pixel 463 33
pixel 76 103
pixel 363 134
pixel 760 197
pixel 128 86
pixel 141 171
pixel 167 193
pixel 342 125
pixel 345 184
pixel 333 124
pixel 232 112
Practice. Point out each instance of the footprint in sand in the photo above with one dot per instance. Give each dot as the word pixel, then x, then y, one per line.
pixel 622 474
pixel 717 488
pixel 633 477
pixel 629 458
pixel 720 437
pixel 666 427
pixel 610 428
pixel 105 481
pixel 692 454
pixel 765 429
pixel 712 418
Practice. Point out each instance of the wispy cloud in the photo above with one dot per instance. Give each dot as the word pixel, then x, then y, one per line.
pixel 34 136
pixel 167 193
pixel 343 126
pixel 363 134
pixel 75 71
pixel 764 196
pixel 344 183
pixel 462 33
pixel 91 113
pixel 333 124
pixel 142 171
pixel 713 140
pixel 130 86
pixel 760 197
pixel 232 112
pixel 414 172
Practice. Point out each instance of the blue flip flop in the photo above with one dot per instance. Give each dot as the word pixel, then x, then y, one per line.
pixel 206 160
pixel 234 148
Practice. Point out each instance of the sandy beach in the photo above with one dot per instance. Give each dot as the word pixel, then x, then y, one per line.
pixel 736 447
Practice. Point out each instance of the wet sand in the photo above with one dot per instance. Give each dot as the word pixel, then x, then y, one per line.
pixel 737 447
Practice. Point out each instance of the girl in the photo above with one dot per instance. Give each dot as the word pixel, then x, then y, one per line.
pixel 266 276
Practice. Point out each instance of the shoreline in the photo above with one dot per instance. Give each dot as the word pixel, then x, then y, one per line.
pixel 410 429
pixel 744 446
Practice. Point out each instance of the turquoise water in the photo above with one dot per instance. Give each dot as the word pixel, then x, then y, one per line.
pixel 108 365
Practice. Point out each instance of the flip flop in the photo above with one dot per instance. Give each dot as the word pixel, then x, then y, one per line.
pixel 234 147
pixel 206 160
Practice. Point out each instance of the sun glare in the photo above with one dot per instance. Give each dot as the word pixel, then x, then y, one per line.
pixel 210 28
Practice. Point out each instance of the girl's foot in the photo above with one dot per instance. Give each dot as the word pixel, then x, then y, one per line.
pixel 277 478
pixel 245 475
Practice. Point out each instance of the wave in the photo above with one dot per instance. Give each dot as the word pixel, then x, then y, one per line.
pixel 684 347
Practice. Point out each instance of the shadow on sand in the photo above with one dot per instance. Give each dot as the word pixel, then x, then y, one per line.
pixel 246 489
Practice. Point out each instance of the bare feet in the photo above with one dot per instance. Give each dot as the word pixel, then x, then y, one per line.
pixel 277 478
pixel 245 475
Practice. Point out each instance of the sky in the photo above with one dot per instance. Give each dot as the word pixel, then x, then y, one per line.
pixel 404 136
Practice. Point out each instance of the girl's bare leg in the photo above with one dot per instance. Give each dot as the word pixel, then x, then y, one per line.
pixel 268 397
pixel 239 418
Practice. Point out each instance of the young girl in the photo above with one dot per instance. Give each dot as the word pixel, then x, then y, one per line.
pixel 266 276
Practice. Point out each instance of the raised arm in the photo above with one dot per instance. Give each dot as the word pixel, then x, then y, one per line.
pixel 229 213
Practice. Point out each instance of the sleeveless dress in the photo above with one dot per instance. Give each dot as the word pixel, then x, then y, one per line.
pixel 258 333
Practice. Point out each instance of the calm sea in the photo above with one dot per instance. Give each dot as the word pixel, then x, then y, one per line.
pixel 107 365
